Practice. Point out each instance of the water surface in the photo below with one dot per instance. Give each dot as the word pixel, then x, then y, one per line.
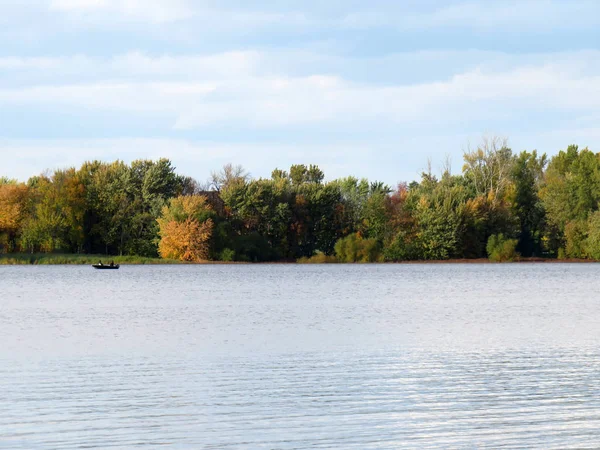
pixel 286 356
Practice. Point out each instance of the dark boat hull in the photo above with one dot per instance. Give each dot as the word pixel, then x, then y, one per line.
pixel 103 267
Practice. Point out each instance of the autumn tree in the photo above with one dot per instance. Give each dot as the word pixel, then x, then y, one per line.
pixel 185 229
pixel 55 220
pixel 13 198
pixel 401 229
pixel 146 208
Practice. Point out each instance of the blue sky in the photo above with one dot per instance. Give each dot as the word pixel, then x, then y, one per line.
pixel 372 89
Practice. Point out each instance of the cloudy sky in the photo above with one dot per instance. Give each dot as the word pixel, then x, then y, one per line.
pixel 369 88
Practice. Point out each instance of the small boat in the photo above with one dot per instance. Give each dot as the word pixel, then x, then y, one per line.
pixel 105 266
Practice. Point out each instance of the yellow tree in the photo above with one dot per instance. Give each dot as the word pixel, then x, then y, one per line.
pixel 56 213
pixel 13 198
pixel 185 229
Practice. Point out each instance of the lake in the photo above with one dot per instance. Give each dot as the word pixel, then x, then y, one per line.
pixel 300 356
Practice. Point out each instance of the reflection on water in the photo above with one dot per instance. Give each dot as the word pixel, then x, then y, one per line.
pixel 412 356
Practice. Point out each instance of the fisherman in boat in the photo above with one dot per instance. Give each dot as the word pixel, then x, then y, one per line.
pixel 100 263
pixel 112 264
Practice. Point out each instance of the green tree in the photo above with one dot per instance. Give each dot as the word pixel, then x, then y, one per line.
pixel 575 238
pixel 528 173
pixel 569 194
pixel 501 249
pixel 300 174
pixel 592 240
pixel 56 216
pixel 439 212
pixel 113 207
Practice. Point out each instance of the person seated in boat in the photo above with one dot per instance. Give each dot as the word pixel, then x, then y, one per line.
pixel 100 263
pixel 112 264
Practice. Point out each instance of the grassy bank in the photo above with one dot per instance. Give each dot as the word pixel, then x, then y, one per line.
pixel 333 260
pixel 74 259
pixel 56 258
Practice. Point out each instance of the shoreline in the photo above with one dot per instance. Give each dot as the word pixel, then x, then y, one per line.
pixel 79 260
pixel 531 260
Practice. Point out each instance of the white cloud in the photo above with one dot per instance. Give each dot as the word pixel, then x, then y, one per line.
pixel 227 64
pixel 313 79
pixel 331 100
pixel 235 64
pixel 133 66
pixel 231 88
pixel 20 63
pixel 128 97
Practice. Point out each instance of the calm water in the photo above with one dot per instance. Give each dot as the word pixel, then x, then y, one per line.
pixel 293 357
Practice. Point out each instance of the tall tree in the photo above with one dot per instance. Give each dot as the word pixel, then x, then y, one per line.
pixel 489 167
pixel 228 176
pixel 528 173
pixel 56 217
pixel 569 194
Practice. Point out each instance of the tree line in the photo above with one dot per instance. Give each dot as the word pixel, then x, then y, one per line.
pixel 503 205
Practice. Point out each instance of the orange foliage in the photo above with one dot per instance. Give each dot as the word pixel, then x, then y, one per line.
pixel 191 204
pixel 12 206
pixel 182 235
pixel 400 216
pixel 301 200
pixel 185 207
pixel 186 241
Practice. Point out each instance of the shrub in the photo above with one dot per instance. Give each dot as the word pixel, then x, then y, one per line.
pixel 592 242
pixel 252 247
pixel 501 249
pixel 319 258
pixel 354 248
pixel 401 248
pixel 227 255
pixel 575 236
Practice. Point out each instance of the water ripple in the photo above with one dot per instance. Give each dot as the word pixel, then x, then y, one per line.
pixel 294 358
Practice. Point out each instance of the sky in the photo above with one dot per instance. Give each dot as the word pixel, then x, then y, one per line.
pixel 366 88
